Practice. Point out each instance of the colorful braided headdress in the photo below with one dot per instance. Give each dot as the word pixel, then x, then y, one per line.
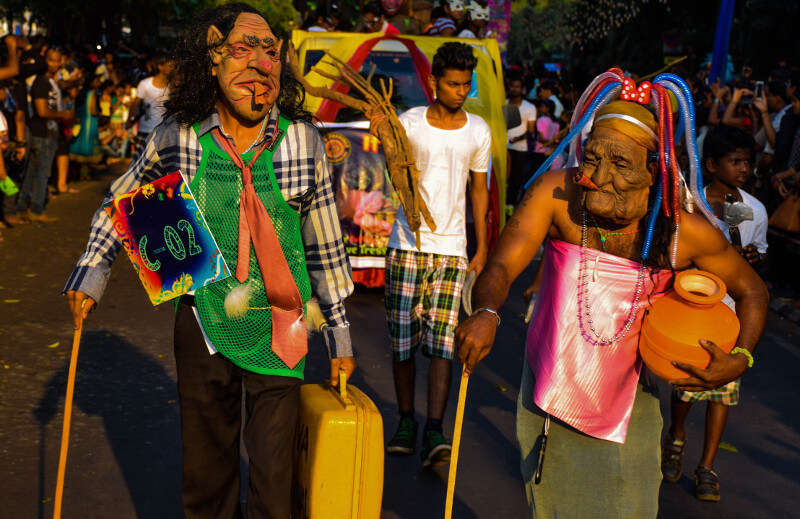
pixel 670 183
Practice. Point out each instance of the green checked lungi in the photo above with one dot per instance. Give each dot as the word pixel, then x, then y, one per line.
pixel 423 294
pixel 725 395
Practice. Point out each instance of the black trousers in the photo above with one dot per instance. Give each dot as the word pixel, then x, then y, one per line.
pixel 210 390
pixel 519 169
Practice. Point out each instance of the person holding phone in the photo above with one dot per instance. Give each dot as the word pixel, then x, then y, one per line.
pixel 772 106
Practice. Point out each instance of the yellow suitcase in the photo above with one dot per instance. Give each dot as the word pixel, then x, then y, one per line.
pixel 338 454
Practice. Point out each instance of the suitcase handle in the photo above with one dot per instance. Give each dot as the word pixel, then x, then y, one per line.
pixel 343 385
pixel 341 391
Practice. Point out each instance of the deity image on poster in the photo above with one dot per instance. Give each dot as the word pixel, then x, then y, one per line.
pixel 166 238
pixel 365 199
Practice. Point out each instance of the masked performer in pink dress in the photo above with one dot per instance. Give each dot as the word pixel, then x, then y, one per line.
pixel 617 227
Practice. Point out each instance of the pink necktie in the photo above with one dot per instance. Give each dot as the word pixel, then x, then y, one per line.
pixel 289 339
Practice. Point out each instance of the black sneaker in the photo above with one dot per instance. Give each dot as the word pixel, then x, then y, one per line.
pixel 707 484
pixel 404 440
pixel 435 449
pixel 672 457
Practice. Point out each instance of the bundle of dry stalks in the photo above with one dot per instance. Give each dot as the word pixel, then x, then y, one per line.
pixel 403 171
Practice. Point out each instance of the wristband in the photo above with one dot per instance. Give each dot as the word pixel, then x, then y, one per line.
pixel 490 310
pixel 745 353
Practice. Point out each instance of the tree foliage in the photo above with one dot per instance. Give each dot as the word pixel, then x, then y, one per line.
pixel 592 35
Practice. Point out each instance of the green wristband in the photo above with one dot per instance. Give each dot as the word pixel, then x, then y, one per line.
pixel 745 353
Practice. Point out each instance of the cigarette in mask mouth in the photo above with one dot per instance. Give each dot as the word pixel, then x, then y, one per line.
pixel 255 105
pixel 582 180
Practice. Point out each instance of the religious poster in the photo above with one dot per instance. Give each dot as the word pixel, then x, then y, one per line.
pixel 166 238
pixel 365 199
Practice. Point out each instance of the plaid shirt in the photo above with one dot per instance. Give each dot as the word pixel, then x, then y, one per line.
pixel 301 168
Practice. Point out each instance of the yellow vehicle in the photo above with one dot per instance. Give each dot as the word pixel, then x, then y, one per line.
pixel 365 199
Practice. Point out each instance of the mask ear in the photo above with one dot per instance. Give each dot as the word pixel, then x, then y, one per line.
pixel 214 40
pixel 432 84
pixel 652 166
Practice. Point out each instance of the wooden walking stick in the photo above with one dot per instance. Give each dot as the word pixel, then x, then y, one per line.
pixel 62 458
pixel 451 477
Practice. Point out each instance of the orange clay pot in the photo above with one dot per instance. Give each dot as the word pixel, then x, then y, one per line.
pixel 674 324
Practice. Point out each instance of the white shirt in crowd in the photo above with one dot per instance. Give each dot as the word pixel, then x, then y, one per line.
pixel 777 119
pixel 153 104
pixel 559 107
pixel 444 158
pixel 527 112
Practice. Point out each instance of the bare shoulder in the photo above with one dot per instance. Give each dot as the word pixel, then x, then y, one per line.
pixel 699 237
pixel 550 184
pixel 541 199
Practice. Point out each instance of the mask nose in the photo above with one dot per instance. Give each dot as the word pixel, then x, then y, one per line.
pixel 262 62
pixel 602 174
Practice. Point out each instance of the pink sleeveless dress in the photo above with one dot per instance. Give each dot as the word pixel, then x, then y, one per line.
pixel 589 386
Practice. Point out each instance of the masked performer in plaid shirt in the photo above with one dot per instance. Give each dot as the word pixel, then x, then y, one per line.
pixel 236 130
pixel 424 280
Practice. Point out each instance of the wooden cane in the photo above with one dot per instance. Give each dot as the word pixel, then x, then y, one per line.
pixel 62 458
pixel 451 477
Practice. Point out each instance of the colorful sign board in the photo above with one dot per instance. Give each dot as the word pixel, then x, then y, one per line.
pixel 167 238
pixel 365 199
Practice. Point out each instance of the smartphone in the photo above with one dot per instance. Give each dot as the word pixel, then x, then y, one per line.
pixel 759 90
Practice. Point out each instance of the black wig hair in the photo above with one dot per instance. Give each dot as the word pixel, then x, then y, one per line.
pixel 193 90
pixel 453 55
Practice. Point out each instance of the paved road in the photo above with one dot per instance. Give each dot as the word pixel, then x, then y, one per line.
pixel 125 448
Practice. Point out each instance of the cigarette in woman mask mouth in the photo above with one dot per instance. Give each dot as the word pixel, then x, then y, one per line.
pixel 582 180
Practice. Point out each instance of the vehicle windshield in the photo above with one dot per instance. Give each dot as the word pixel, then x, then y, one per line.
pixel 399 66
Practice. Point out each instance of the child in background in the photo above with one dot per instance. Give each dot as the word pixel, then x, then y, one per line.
pixel 120 107
pixel 546 129
pixel 106 101
pixel 727 153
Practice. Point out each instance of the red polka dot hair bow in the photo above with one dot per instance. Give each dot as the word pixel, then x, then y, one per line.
pixel 639 95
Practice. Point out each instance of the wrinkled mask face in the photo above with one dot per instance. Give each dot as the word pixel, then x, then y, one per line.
pixel 247 66
pixel 618 166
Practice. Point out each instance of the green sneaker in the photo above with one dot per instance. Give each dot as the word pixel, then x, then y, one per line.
pixel 435 449
pixel 404 440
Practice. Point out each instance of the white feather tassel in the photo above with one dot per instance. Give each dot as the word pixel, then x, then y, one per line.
pixel 237 302
pixel 314 318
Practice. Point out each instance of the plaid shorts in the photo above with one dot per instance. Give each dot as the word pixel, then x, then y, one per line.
pixel 725 395
pixel 423 296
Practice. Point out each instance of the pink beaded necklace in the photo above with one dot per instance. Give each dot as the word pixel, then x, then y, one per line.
pixel 584 309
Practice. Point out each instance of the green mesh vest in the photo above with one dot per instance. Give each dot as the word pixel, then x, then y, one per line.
pixel 245 341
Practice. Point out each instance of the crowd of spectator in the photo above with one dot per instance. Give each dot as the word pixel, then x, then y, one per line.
pixel 454 18
pixel 64 110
